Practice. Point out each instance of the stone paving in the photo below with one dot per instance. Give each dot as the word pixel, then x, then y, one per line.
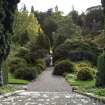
pixel 48 98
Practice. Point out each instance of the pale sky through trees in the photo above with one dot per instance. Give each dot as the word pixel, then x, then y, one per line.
pixel 64 5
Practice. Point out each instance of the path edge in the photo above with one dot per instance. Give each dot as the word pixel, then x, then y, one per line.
pixel 90 95
pixel 10 94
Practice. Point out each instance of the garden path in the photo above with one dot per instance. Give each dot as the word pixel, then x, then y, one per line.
pixel 49 83
pixel 48 90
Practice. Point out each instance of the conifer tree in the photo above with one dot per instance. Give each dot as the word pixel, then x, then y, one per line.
pixel 7 10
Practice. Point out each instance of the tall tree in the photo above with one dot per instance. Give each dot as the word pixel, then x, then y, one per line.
pixel 25 24
pixel 103 4
pixel 7 10
pixel 74 15
pixel 100 79
pixel 48 24
pixel 32 9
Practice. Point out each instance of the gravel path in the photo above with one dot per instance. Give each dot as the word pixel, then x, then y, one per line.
pixel 48 90
pixel 49 83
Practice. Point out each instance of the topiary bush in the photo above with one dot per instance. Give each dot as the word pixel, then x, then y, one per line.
pixel 85 74
pixel 100 78
pixel 64 66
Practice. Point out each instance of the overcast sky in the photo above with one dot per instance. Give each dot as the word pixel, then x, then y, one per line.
pixel 64 5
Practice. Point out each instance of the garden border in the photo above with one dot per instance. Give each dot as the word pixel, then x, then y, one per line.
pixel 95 97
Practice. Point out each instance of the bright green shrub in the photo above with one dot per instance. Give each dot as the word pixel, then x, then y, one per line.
pixel 64 66
pixel 100 92
pixel 22 52
pixel 83 64
pixel 85 74
pixel 100 81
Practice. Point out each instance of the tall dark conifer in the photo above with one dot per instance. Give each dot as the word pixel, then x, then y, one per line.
pixel 100 78
pixel 7 11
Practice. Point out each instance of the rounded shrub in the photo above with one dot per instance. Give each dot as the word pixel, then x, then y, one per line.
pixel 83 64
pixel 85 74
pixel 15 63
pixel 64 66
pixel 26 73
pixel 100 78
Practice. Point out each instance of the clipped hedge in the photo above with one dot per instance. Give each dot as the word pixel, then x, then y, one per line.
pixel 64 66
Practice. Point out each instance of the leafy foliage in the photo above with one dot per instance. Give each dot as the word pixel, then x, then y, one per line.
pixel 26 73
pixel 25 28
pixel 85 74
pixel 15 63
pixel 76 51
pixel 66 30
pixel 64 66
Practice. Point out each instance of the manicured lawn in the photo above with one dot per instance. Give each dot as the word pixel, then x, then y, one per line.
pixel 84 86
pixel 13 80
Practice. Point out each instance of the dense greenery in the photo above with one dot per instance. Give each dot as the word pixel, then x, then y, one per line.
pixel 85 74
pixel 25 27
pixel 29 47
pixel 76 51
pixel 62 67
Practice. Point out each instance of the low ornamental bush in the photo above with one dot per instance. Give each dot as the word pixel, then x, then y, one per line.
pixel 21 70
pixel 64 66
pixel 26 73
pixel 85 74
pixel 15 63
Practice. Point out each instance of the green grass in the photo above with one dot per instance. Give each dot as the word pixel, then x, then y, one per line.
pixel 6 89
pixel 13 80
pixel 84 86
